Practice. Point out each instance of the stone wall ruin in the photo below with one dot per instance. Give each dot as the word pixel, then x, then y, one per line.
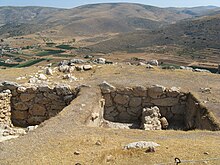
pixel 31 105
pixel 181 110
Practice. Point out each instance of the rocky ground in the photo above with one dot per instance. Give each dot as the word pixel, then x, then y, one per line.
pixel 71 138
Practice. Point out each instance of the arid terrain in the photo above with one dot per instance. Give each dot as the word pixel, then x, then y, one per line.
pixel 75 84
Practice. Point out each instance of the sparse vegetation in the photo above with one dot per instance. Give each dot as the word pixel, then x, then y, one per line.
pixel 68 47
pixel 49 52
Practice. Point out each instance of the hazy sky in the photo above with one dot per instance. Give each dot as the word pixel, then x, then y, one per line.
pixel 74 3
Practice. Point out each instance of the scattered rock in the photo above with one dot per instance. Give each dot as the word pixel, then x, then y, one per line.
pixel 202 70
pixel 76 61
pixel 150 149
pixel 76 153
pixel 100 60
pixel 186 68
pixel 88 56
pixel 109 158
pixel 206 153
pixel 87 67
pixel 79 68
pixel 31 128
pixel 49 71
pixel 149 66
pixel 98 143
pixel 42 77
pixel 34 80
pixel 69 77
pixel 205 90
pixel 141 144
pixel 153 62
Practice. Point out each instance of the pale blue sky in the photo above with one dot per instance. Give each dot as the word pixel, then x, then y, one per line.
pixel 74 3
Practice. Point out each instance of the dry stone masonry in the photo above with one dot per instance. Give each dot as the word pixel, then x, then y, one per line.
pixel 154 108
pixel 5 108
pixel 31 105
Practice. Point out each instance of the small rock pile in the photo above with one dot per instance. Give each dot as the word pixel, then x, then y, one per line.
pixel 151 119
pixel 5 108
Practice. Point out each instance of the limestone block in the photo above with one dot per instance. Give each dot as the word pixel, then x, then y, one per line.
pixel 141 144
pixel 164 123
pixel 21 106
pixel 135 101
pixel 106 87
pixel 21 89
pixel 87 67
pixel 173 92
pixel 166 102
pixel 156 91
pixel 121 99
pixel 37 110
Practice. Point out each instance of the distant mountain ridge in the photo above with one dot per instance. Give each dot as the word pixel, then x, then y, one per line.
pixel 93 19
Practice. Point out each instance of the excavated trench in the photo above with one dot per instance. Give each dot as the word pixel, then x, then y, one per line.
pixel 27 106
pixel 124 107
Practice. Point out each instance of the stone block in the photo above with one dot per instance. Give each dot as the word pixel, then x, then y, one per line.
pixel 120 108
pixel 21 89
pixel 26 97
pixel 19 115
pixel 106 87
pixel 108 100
pixel 140 91
pixel 37 110
pixel 124 117
pixel 21 106
pixel 135 101
pixel 121 99
pixel 156 91
pixel 109 110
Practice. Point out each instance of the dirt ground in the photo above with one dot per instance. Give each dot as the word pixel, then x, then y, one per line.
pixel 57 140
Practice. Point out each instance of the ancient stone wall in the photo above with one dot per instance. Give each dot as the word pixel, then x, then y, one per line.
pixel 5 108
pixel 125 105
pixel 31 105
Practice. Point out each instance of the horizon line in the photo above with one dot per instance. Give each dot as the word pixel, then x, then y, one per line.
pixel 109 3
